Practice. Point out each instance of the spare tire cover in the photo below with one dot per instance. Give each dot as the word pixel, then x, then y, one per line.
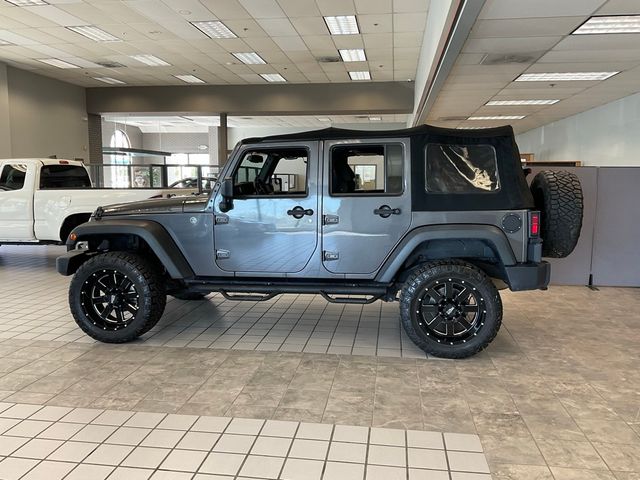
pixel 558 196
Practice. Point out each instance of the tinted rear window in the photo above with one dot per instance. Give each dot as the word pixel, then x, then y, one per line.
pixel 461 169
pixel 64 176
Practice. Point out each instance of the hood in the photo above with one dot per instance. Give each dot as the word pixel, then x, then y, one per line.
pixel 151 206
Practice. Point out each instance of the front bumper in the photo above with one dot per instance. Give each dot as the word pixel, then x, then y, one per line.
pixel 68 263
pixel 528 276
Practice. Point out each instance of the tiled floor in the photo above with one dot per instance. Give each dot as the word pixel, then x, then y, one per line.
pixel 51 443
pixel 556 396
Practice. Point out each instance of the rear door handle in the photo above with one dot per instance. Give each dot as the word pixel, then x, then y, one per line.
pixel 299 212
pixel 385 211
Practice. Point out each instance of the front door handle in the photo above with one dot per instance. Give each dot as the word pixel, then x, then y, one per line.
pixel 299 212
pixel 385 211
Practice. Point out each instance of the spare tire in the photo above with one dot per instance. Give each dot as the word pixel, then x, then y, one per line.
pixel 558 196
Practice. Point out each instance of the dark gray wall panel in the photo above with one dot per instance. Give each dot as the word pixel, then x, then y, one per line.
pixel 616 251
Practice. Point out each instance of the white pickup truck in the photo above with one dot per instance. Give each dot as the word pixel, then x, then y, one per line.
pixel 42 200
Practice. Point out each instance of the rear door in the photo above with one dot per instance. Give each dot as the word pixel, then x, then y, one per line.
pixel 16 201
pixel 366 202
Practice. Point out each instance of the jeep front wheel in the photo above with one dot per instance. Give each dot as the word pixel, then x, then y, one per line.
pixel 115 297
pixel 450 309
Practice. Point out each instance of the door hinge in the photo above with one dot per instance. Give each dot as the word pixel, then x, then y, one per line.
pixel 221 219
pixel 330 219
pixel 222 254
pixel 330 256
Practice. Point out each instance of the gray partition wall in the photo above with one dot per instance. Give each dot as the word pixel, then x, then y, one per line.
pixel 607 253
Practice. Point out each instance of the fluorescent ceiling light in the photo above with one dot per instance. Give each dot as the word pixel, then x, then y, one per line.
pixel 342 25
pixel 498 117
pixel 94 33
pixel 150 60
pixel 273 77
pixel 189 78
pixel 564 76
pixel 214 29
pixel 27 3
pixel 55 62
pixel 249 58
pixel 610 24
pixel 353 55
pixel 360 75
pixel 496 103
pixel 375 119
pixel 109 80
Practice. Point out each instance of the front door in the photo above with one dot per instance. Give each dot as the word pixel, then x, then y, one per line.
pixel 272 227
pixel 16 202
pixel 366 203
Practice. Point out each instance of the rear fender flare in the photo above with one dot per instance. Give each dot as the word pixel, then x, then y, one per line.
pixel 152 233
pixel 489 234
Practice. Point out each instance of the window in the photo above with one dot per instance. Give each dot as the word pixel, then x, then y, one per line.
pixel 64 176
pixel 119 139
pixel 12 177
pixel 367 169
pixel 281 171
pixel 461 169
pixel 120 175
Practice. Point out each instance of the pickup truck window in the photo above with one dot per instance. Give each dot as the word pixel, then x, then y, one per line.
pixel 12 177
pixel 366 169
pixel 64 176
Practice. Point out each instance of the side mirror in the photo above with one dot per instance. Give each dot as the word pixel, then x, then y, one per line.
pixel 226 190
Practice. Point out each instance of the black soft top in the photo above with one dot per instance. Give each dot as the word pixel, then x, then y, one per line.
pixel 513 193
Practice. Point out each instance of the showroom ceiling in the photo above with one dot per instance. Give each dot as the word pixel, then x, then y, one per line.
pixel 168 42
pixel 513 37
pixel 155 124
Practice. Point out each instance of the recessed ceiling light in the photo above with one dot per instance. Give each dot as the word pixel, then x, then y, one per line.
pixel 353 55
pixel 249 58
pixel 27 3
pixel 150 60
pixel 564 76
pixel 610 24
pixel 109 80
pixel 55 62
pixel 94 33
pixel 342 25
pixel 360 75
pixel 214 29
pixel 498 117
pixel 189 78
pixel 520 102
pixel 375 119
pixel 273 77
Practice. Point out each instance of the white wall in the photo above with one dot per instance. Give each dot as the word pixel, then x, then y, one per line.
pixel 608 135
pixel 5 132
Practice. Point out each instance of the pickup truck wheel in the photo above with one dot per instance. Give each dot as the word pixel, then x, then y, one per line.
pixel 450 309
pixel 115 297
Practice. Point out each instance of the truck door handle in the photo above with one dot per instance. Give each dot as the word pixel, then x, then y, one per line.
pixel 385 211
pixel 299 212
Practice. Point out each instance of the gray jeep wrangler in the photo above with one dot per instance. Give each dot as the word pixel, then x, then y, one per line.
pixel 438 219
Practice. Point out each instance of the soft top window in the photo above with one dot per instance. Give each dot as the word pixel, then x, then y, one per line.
pixel 64 176
pixel 461 169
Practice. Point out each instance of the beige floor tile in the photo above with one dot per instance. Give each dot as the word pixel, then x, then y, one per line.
pixel 384 455
pixel 571 454
pixel 211 424
pixel 271 446
pixel 624 458
pixel 94 433
pixel 425 458
pixel 379 472
pixel 420 439
pixel 245 426
pixel 300 469
pixel 348 452
pixel 314 431
pixel 309 449
pixel 14 468
pixel 350 433
pixel 421 474
pixel 462 442
pixel 183 460
pixel 94 472
pixel 128 436
pixel 343 471
pixel 163 438
pixel 222 463
pixel 38 448
pixel 198 441
pixel 146 457
pixel 263 467
pixel 8 445
pixel 467 462
pixel 73 451
pixel 49 471
pixel 231 443
pixel 128 473
pixel 109 454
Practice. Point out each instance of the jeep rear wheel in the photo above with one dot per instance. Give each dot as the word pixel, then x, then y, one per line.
pixel 558 196
pixel 450 309
pixel 115 297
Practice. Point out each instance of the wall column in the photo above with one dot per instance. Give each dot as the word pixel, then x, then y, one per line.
pixel 222 140
pixel 95 138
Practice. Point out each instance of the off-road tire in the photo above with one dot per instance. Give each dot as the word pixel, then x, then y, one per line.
pixel 189 295
pixel 558 196
pixel 147 281
pixel 427 274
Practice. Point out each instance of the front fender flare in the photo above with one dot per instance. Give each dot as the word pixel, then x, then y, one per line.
pixel 151 232
pixel 492 235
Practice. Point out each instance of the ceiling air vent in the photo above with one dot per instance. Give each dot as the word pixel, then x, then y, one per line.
pixel 108 64
pixel 453 119
pixel 508 58
pixel 328 59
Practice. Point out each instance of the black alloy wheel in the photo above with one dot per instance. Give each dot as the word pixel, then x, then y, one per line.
pixel 109 299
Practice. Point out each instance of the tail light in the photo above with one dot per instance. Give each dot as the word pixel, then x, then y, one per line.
pixel 534 224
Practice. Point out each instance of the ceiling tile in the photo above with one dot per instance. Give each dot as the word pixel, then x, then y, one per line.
pixel 263 8
pixel 376 6
pixel 538 8
pixel 299 8
pixel 277 27
pixel 525 27
pixel 510 45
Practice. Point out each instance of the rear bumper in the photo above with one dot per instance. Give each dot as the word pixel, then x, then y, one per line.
pixel 528 276
pixel 68 263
